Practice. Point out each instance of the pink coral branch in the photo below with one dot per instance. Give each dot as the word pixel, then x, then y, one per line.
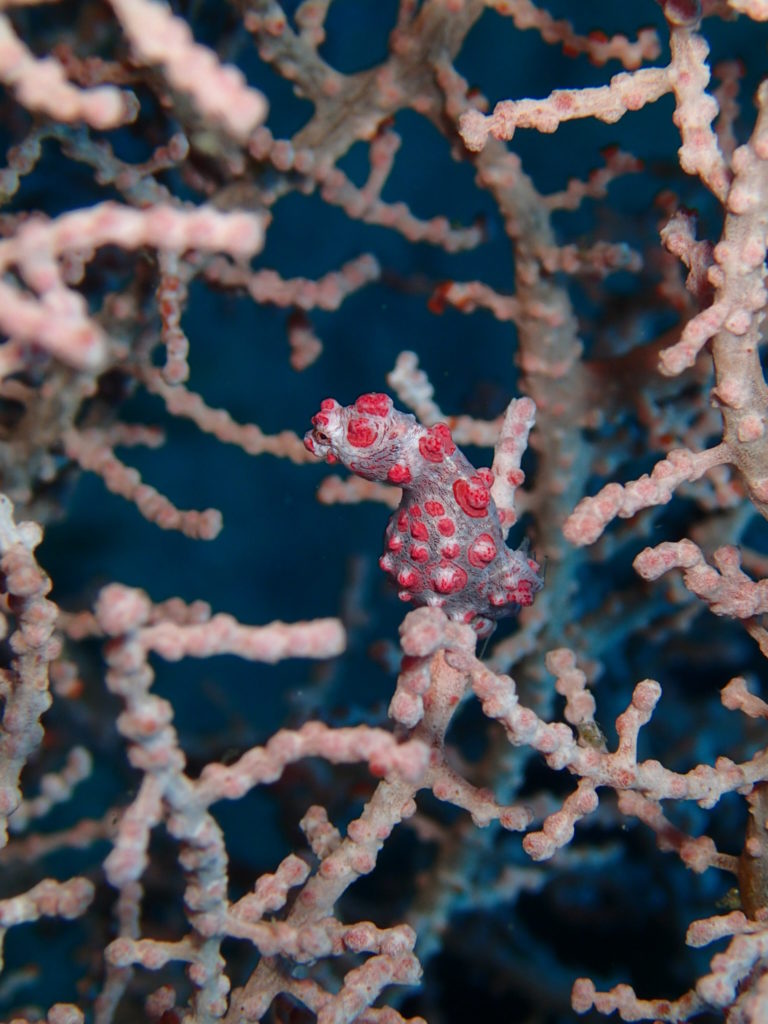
pixel 726 589
pixel 219 90
pixel 591 516
pixel 41 85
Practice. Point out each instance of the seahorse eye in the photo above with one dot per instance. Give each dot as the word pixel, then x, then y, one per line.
pixel 320 437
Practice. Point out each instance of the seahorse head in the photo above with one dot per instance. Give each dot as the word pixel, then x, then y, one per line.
pixel 366 437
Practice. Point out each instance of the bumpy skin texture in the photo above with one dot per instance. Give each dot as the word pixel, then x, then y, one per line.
pixel 443 546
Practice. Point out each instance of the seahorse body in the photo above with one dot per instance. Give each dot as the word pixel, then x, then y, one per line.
pixel 443 545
